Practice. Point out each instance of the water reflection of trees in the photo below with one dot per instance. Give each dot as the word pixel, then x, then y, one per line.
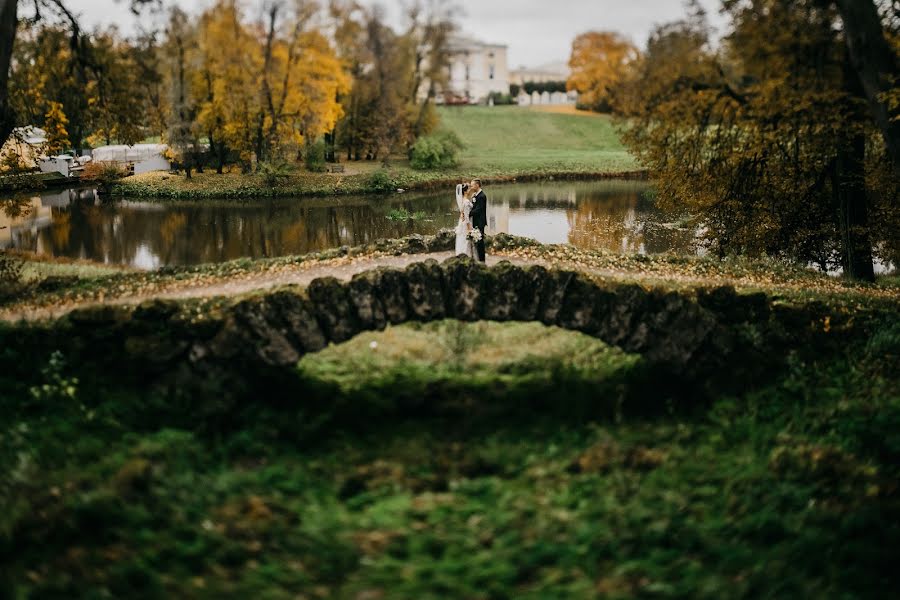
pixel 618 216
pixel 186 234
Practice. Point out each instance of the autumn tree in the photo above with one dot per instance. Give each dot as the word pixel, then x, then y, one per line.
pixel 180 52
pixel 598 62
pixel 9 25
pixel 429 27
pixel 766 138
pixel 395 76
pixel 264 88
pixel 113 91
pixel 55 122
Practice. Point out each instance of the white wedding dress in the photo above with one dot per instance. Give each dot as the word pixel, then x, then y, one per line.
pixel 463 244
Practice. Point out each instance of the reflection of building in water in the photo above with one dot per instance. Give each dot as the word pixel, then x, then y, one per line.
pixel 497 217
pixel 29 217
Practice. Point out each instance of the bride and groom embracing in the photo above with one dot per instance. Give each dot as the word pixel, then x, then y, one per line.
pixel 472 203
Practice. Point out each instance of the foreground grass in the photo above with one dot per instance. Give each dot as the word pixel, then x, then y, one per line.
pixel 502 144
pixel 789 491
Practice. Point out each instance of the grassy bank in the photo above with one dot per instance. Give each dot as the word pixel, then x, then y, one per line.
pixel 787 491
pixel 502 144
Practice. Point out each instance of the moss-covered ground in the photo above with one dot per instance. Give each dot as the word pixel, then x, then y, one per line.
pixel 521 490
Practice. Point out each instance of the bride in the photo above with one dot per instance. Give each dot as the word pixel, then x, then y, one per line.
pixel 464 243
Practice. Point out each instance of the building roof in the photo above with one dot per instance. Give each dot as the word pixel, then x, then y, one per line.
pixel 464 42
pixel 34 136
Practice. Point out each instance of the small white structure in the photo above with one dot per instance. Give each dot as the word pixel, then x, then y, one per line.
pixel 143 157
pixel 61 164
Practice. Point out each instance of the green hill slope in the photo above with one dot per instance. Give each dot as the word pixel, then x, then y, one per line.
pixel 524 139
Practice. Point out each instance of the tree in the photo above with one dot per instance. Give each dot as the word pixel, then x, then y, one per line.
pixel 878 67
pixel 179 52
pixel 598 61
pixel 766 139
pixel 55 122
pixel 9 19
pixel 113 90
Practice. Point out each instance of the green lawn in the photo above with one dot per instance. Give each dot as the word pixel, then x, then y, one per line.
pixel 517 139
pixel 503 143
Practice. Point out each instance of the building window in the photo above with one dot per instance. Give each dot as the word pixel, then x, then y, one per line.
pixel 491 72
pixel 467 72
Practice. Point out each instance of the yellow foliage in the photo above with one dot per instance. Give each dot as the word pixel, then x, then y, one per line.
pixel 598 62
pixel 258 104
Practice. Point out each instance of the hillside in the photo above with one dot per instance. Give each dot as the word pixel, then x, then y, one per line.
pixel 521 139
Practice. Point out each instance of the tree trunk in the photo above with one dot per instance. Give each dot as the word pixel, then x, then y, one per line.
pixel 8 24
pixel 875 65
pixel 853 210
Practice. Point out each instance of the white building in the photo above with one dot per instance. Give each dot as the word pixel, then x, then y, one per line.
pixel 556 71
pixel 476 70
pixel 144 157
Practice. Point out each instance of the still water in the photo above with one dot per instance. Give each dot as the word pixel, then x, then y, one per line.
pixel 613 215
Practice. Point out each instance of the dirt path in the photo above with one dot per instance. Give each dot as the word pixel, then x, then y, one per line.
pixel 344 268
pixel 301 274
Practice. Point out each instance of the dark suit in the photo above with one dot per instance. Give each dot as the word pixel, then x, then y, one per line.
pixel 479 220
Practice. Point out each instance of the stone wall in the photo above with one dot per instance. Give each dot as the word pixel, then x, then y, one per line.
pixel 696 335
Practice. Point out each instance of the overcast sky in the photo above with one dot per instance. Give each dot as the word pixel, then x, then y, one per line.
pixel 536 31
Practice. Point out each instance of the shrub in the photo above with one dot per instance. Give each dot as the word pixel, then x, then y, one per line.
pixel 381 181
pixel 401 214
pixel 10 276
pixel 274 171
pixel 436 151
pixel 102 174
pixel 501 99
pixel 315 157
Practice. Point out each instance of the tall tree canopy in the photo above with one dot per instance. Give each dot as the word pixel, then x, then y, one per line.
pixel 768 137
pixel 598 62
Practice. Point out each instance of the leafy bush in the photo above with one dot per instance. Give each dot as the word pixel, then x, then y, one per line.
pixel 102 174
pixel 436 151
pixel 10 276
pixel 401 214
pixel 315 157
pixel 501 99
pixel 381 181
pixel 274 172
pixel 55 385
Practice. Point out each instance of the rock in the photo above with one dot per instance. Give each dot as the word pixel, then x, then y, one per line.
pixel 297 320
pixel 366 298
pixel 618 313
pixel 553 293
pixel 467 283
pixel 576 311
pixel 333 309
pixel 414 244
pixel 675 327
pixel 247 333
pixel 731 307
pixel 514 293
pixel 442 241
pixel 394 291
pixel 425 291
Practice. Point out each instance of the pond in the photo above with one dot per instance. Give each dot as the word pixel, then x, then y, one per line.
pixel 615 215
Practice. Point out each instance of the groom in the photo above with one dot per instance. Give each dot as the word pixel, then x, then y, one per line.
pixel 478 214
